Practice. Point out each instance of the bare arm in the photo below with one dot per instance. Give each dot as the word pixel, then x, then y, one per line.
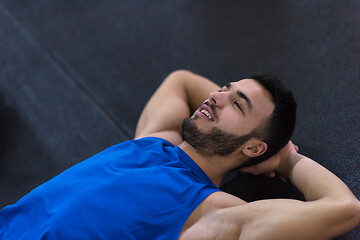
pixel 178 96
pixel 331 209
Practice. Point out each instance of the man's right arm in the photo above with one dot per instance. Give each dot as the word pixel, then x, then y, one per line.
pixel 178 96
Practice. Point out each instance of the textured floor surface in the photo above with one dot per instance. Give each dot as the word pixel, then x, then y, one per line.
pixel 75 75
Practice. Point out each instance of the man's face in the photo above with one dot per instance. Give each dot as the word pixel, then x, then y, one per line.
pixel 228 118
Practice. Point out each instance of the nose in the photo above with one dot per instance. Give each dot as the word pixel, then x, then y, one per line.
pixel 217 98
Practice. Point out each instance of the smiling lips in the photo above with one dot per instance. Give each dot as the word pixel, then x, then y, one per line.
pixel 207 114
pixel 208 111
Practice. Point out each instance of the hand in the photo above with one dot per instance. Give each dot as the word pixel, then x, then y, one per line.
pixel 270 166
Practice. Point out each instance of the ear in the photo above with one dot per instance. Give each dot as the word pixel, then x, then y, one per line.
pixel 255 149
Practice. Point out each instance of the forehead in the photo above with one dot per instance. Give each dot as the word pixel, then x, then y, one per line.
pixel 260 98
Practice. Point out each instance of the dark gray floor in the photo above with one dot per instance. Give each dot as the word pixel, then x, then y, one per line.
pixel 75 76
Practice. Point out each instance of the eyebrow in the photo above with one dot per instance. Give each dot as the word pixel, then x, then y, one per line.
pixel 242 95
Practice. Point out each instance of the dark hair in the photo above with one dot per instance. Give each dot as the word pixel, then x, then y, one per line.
pixel 280 125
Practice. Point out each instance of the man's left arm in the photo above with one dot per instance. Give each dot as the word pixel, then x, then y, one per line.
pixel 331 208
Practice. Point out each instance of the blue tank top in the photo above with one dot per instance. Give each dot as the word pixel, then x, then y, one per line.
pixel 139 189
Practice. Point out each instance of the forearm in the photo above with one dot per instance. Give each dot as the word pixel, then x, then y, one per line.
pixel 198 89
pixel 336 206
pixel 312 179
pixel 176 98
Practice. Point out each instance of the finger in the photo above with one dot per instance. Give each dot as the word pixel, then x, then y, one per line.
pixel 282 178
pixel 252 170
pixel 271 174
pixel 260 168
pixel 246 170
pixel 296 147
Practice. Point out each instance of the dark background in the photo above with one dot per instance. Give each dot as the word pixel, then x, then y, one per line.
pixel 75 75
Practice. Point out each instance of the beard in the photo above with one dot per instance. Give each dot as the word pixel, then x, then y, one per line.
pixel 215 142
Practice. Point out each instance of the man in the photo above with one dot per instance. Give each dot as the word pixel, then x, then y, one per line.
pixel 149 189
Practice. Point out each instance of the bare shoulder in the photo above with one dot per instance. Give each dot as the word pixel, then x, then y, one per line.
pixel 220 199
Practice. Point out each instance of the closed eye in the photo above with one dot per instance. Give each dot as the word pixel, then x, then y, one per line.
pixel 239 106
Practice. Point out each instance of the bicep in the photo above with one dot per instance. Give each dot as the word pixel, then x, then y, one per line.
pixel 292 219
pixel 273 219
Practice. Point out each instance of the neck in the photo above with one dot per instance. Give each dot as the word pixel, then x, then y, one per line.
pixel 216 167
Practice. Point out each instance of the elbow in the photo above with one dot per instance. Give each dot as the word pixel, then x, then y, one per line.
pixel 180 73
pixel 178 77
pixel 354 209
pixel 345 216
pixel 351 210
pixel 357 211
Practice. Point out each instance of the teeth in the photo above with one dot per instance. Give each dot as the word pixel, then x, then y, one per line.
pixel 206 113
